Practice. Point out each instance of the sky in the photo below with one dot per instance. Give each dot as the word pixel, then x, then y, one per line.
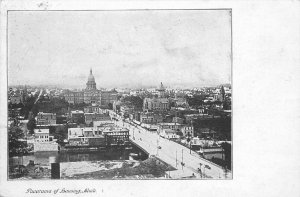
pixel 128 49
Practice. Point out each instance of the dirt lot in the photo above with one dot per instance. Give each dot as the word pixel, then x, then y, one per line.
pixel 150 168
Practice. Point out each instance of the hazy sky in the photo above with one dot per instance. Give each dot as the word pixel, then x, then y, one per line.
pixel 124 48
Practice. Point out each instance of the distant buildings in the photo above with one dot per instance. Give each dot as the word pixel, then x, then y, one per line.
pixel 91 94
pixel 156 104
pixel 77 116
pixel 91 117
pixel 46 118
pixel 150 118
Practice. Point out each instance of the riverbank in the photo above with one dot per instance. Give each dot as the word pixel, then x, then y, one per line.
pixel 150 168
pixel 129 169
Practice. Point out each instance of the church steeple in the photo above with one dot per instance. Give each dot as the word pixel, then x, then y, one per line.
pixel 91 72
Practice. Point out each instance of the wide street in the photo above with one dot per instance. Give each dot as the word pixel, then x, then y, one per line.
pixel 174 154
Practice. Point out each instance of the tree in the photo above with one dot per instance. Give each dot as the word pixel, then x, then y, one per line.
pixel 179 133
pixel 31 125
pixel 15 143
pixel 136 101
pixel 110 106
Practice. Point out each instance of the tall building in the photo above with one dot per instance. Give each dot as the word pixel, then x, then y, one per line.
pixel 91 94
pixel 157 104
pixel 91 84
pixel 161 91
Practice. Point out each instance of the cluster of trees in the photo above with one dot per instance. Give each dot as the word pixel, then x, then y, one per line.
pixel 60 133
pixel 226 163
pixel 221 125
pixel 55 105
pixel 197 100
pixel 136 101
pixel 15 143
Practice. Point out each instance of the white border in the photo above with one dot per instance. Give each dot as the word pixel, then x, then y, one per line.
pixel 266 70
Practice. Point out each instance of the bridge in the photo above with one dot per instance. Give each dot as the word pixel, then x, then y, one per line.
pixel 186 162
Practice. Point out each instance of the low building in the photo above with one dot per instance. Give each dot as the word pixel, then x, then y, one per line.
pixel 46 118
pixel 169 134
pixel 151 118
pixel 116 136
pixel 178 120
pixel 99 124
pixel 212 152
pixel 156 104
pixel 43 141
pixel 208 149
pixel 187 130
pixel 173 126
pixel 125 110
pixel 91 117
pixel 108 97
pixel 77 116
pixel 87 136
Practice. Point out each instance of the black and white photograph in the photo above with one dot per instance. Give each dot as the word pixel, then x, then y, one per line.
pixel 149 98
pixel 131 94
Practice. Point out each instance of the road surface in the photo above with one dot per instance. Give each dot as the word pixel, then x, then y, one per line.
pixel 174 154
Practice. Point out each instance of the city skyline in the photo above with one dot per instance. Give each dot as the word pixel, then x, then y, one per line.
pixel 179 48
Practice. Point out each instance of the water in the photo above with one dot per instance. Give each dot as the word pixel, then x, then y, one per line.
pixel 44 158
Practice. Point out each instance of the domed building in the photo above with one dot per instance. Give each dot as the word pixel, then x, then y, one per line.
pixel 90 94
pixel 91 84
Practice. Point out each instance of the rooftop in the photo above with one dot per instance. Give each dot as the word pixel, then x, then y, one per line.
pixel 41 131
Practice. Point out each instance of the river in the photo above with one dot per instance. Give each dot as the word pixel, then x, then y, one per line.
pixel 108 154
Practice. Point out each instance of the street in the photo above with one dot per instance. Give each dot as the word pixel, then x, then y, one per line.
pixel 187 163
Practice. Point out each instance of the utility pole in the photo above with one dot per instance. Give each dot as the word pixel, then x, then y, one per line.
pixel 176 158
pixel 182 159
pixel 200 170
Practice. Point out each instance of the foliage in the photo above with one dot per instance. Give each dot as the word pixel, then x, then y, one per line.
pixel 59 132
pixel 136 101
pixel 195 101
pixel 31 125
pixel 221 125
pixel 179 133
pixel 56 105
pixel 227 152
pixel 110 106
pixel 16 146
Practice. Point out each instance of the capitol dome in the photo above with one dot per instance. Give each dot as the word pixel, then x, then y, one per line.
pixel 91 84
pixel 91 77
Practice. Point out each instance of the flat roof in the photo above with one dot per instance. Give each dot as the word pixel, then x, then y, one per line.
pixel 44 131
